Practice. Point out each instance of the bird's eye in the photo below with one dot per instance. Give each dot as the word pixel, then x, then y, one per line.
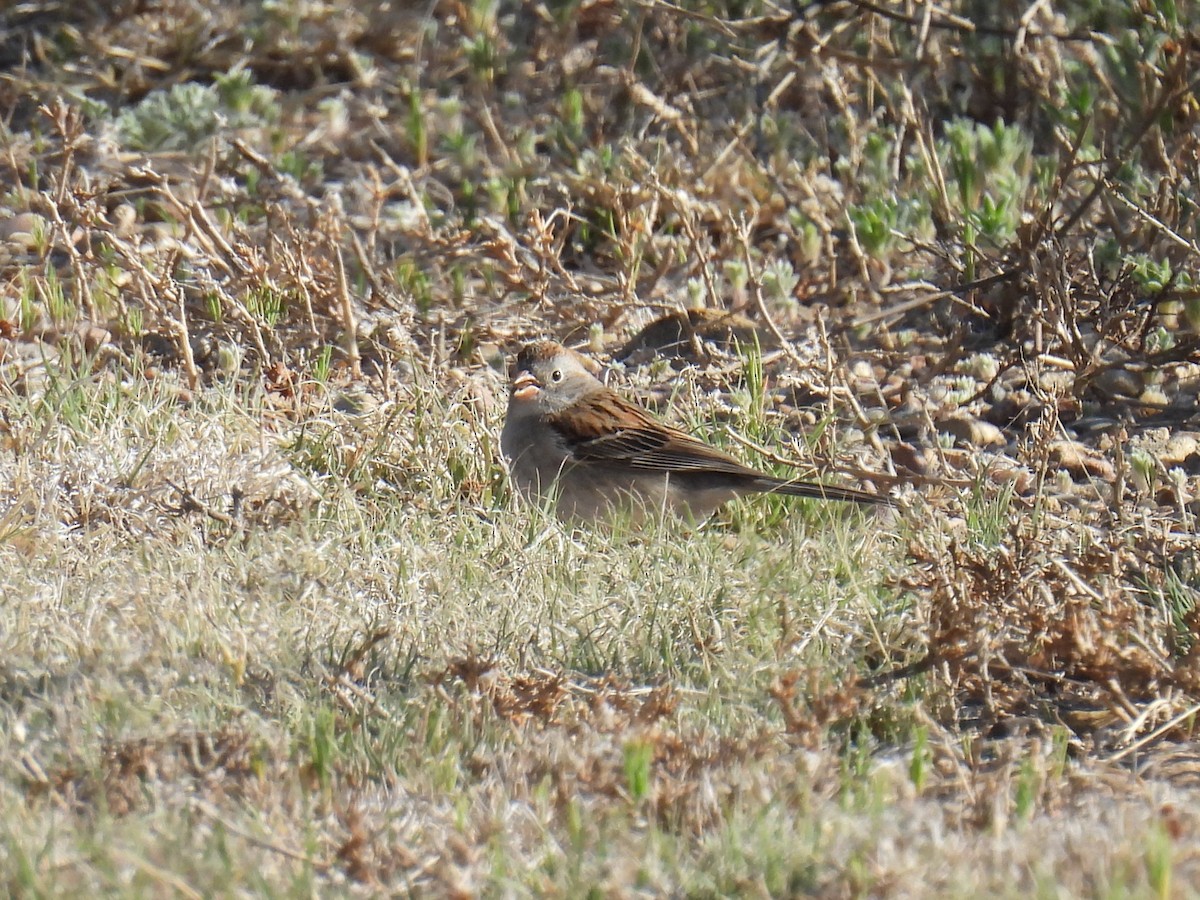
pixel 556 376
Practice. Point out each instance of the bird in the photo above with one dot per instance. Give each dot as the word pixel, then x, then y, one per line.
pixel 580 447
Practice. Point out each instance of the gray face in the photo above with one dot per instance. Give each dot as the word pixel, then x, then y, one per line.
pixel 546 385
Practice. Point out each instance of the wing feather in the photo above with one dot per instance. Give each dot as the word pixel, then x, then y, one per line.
pixel 646 444
pixel 642 442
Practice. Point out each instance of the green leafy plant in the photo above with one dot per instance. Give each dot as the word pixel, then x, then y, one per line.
pixel 266 303
pixel 181 117
pixel 638 760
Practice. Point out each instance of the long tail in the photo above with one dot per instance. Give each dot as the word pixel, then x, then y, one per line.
pixel 818 491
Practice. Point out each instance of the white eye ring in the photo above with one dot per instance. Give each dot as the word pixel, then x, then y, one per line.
pixel 556 376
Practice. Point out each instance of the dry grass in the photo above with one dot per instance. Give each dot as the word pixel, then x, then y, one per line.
pixel 271 621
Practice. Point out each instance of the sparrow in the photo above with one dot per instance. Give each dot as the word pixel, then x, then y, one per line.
pixel 574 443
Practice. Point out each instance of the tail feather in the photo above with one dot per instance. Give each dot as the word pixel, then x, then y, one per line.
pixel 819 491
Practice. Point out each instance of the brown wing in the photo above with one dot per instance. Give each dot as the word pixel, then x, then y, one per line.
pixel 643 443
pixel 648 445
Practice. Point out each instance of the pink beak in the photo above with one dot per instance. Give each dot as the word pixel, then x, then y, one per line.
pixel 525 386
